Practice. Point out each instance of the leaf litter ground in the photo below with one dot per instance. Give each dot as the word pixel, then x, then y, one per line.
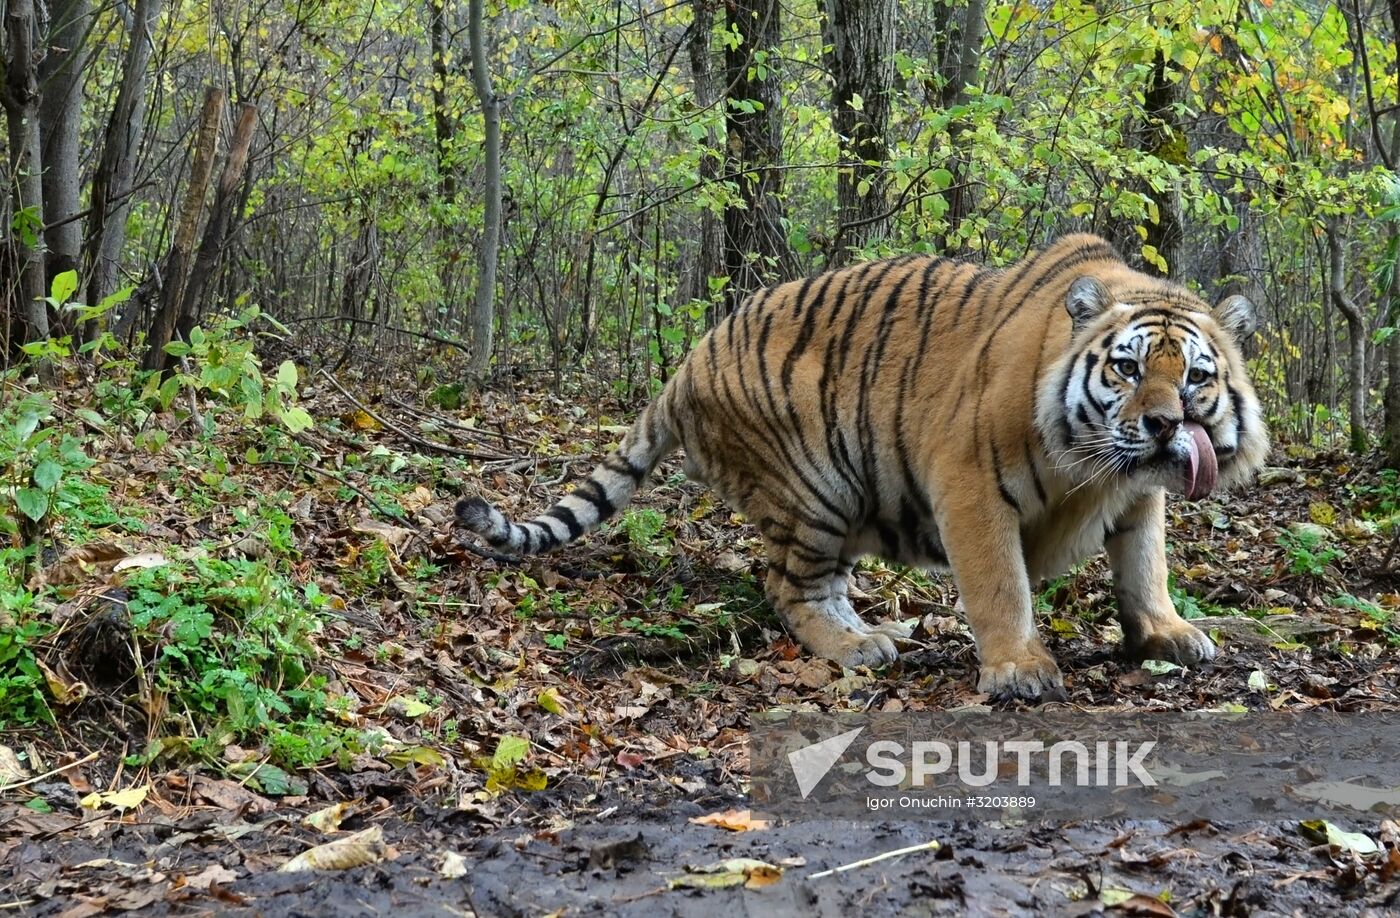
pixel 542 733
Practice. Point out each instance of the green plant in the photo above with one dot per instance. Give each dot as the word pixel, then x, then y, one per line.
pixel 22 686
pixel 1309 550
pixel 228 643
pixel 223 364
pixel 38 461
pixel 1382 619
pixel 644 527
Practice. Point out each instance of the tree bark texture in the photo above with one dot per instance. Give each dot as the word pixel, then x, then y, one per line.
pixel 483 309
pixel 1356 335
pixel 177 266
pixel 116 168
pixel 1164 137
pixel 20 96
pixel 221 218
pixel 959 49
pixel 756 249
pixel 60 116
pixel 709 255
pixel 860 37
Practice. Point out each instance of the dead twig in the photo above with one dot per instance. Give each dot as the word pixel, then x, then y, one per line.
pixel 866 862
pixel 383 511
pixel 48 774
pixel 414 438
pixel 457 425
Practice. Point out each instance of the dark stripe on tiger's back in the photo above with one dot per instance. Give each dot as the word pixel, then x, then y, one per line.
pixel 869 371
pixel 793 423
pixel 809 324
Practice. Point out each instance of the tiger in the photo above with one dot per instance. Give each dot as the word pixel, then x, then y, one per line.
pixel 1004 424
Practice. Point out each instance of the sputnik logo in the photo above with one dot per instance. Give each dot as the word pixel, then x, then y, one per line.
pixel 811 763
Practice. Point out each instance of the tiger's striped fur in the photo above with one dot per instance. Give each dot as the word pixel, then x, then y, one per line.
pixel 937 413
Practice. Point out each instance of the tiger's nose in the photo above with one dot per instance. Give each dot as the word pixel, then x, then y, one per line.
pixel 1161 427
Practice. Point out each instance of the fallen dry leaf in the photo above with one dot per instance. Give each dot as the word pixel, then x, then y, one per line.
pixel 328 819
pixel 11 769
pixel 214 873
pixel 453 866
pixel 733 820
pixel 366 847
pixel 121 800
pixel 738 871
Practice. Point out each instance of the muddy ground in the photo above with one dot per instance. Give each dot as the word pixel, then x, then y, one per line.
pixel 619 859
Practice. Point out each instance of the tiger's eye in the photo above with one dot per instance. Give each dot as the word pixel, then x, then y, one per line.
pixel 1128 369
pixel 1197 376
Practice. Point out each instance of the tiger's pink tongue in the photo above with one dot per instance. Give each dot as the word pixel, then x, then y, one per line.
pixel 1200 464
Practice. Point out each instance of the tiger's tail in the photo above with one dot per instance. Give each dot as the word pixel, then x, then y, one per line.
pixel 609 488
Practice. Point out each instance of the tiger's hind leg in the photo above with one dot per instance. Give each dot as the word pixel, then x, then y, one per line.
pixel 807 586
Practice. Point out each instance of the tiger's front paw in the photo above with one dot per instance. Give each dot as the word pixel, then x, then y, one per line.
pixel 1032 677
pixel 1182 643
pixel 850 647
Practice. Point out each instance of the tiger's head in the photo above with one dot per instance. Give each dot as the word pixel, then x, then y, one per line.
pixel 1153 390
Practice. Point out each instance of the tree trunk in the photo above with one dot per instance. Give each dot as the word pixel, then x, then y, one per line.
pixel 756 249
pixel 443 135
pixel 959 51
pixel 860 36
pixel 221 216
pixel 177 266
pixel 20 96
pixel 116 169
pixel 1164 137
pixel 709 255
pixel 1391 303
pixel 60 116
pixel 483 310
pixel 1356 334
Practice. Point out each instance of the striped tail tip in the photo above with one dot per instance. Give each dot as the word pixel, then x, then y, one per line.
pixel 483 519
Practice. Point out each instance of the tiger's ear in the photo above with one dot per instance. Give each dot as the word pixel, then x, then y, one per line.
pixel 1235 314
pixel 1087 298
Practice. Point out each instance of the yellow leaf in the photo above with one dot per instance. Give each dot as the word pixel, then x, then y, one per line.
pixel 549 700
pixel 1322 513
pixel 328 820
pixel 121 800
pixel 733 820
pixel 356 850
pixel 361 420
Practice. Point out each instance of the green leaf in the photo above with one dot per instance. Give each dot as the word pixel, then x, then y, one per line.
pixel 511 750
pixel 268 778
pixel 177 348
pixel 296 419
pixel 287 376
pixel 26 426
pixel 32 502
pixel 64 285
pixel 416 755
pixel 47 473
pixel 1320 830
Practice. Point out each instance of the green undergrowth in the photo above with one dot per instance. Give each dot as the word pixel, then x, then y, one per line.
pixel 209 633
